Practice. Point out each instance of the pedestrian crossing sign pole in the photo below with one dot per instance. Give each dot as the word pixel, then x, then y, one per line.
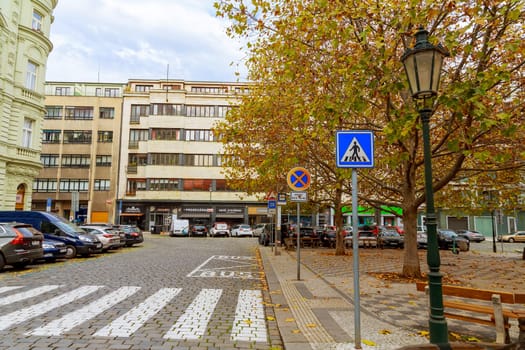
pixel 355 149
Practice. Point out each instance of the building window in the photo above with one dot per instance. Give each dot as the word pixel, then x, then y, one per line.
pixel 163 184
pixel 197 184
pixel 105 136
pixel 101 185
pixel 166 134
pixel 200 111
pixel 217 90
pixel 98 92
pixel 77 136
pixel 79 113
pixel 134 185
pixel 223 110
pixel 31 75
pixel 53 112
pixel 164 159
pixel 62 91
pixel 136 135
pixel 104 160
pixel 107 113
pixel 135 159
pixel 111 92
pixel 138 111
pixel 51 136
pixel 198 135
pixel 27 133
pixel 75 161
pixel 49 160
pixel 36 23
pixel 45 185
pixel 73 185
pixel 171 87
pixel 167 109
pixel 143 88
pixel 198 159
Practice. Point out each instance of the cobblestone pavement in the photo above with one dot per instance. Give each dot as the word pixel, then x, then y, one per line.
pixel 318 311
pixel 169 293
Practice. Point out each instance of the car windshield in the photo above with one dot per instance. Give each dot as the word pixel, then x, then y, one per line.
pixel 67 226
pixel 245 227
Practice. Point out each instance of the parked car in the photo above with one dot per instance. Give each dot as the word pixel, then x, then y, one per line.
pixel 473 236
pixel 365 239
pixel 242 230
pixel 77 241
pixel 109 237
pixel 448 239
pixel 220 229
pixel 328 236
pixel 53 250
pixel 133 234
pixel 390 238
pixel 422 240
pixel 266 234
pixel 518 236
pixel 20 244
pixel 198 231
pixel 258 229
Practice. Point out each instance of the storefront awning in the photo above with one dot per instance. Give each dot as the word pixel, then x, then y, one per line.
pixel 385 210
pixel 131 214
pixel 195 215
pixel 230 216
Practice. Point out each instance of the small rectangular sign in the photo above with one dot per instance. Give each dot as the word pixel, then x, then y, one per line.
pixel 298 196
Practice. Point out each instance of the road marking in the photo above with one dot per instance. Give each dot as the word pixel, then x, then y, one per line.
pixel 33 311
pixel 249 323
pixel 128 323
pixel 193 323
pixel 236 267
pixel 75 318
pixel 7 289
pixel 26 295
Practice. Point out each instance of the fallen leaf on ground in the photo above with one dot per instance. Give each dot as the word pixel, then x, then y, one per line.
pixel 384 331
pixel 369 342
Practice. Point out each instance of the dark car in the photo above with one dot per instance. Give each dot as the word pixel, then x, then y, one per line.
pixel 20 244
pixel 448 239
pixel 133 234
pixel 266 234
pixel 473 236
pixel 198 231
pixel 53 250
pixel 390 238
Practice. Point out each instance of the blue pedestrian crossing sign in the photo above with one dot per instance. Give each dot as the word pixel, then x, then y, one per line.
pixel 354 149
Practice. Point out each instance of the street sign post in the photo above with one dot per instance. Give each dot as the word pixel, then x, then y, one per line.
pixel 299 180
pixel 355 149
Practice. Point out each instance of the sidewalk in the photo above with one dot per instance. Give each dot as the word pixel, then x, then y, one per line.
pixel 317 311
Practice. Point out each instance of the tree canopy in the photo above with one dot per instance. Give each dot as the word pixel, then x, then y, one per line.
pixel 319 66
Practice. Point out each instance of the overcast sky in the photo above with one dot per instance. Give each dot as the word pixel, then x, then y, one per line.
pixel 116 40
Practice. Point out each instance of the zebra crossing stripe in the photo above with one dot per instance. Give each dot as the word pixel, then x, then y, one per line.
pixel 27 313
pixel 249 323
pixel 7 289
pixel 193 323
pixel 26 295
pixel 75 318
pixel 128 323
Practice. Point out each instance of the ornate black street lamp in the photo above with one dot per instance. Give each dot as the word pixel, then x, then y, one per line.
pixel 423 69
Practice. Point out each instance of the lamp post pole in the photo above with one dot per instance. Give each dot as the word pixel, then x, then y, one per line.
pixel 423 68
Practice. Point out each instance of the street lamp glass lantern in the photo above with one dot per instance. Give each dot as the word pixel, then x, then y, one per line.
pixel 423 66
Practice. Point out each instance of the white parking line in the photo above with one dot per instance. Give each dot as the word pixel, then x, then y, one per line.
pixel 75 318
pixel 27 313
pixel 128 323
pixel 249 323
pixel 26 295
pixel 193 323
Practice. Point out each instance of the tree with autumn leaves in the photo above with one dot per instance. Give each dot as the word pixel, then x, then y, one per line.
pixel 319 66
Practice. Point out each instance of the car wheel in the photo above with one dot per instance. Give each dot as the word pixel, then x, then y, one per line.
pixel 71 251
pixel 2 262
pixel 511 240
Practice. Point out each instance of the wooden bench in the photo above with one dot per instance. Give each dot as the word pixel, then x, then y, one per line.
pixel 474 302
pixel 291 242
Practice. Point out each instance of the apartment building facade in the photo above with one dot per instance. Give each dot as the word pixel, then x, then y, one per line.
pixel 171 160
pixel 24 48
pixel 80 151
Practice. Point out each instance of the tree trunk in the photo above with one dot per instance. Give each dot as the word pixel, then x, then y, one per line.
pixel 411 266
pixel 339 239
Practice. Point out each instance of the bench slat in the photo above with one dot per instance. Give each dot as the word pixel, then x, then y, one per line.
pixel 472 293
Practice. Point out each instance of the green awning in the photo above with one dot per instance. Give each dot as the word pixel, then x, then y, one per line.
pixel 368 211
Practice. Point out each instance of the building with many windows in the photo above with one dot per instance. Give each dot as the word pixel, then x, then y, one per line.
pixel 24 49
pixel 142 153
pixel 80 149
pixel 171 160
